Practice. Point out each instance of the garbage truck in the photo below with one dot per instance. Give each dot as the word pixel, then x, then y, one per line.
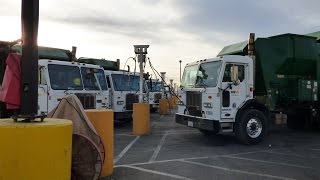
pixel 154 90
pixel 253 85
pixel 123 86
pixel 60 75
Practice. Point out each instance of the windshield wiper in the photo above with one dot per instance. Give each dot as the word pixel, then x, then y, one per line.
pixel 203 85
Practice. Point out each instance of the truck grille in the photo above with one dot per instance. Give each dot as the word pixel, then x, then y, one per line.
pixel 194 103
pixel 157 97
pixel 130 99
pixel 87 100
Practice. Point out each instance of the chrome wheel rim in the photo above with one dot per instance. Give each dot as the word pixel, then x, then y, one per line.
pixel 254 128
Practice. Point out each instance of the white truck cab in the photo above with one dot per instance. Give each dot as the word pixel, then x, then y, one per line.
pixel 154 89
pixel 214 97
pixel 124 88
pixel 60 78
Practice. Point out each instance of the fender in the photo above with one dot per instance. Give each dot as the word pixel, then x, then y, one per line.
pixel 253 104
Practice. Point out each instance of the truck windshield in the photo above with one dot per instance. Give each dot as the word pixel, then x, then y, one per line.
pixel 102 79
pixel 92 78
pixel 203 75
pixel 156 86
pixel 64 77
pixel 123 82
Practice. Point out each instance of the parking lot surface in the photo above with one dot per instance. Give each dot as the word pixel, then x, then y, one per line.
pixel 173 151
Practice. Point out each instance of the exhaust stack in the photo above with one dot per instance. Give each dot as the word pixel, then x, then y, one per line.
pixel 118 64
pixel 73 53
pixel 251 54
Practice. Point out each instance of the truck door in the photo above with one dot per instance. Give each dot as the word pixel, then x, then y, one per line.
pixel 233 95
pixel 111 92
pixel 42 90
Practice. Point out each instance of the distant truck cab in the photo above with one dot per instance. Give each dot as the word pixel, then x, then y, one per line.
pixel 59 75
pixel 59 78
pixel 154 90
pixel 123 87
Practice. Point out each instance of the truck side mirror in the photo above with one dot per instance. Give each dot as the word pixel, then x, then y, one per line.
pixel 235 75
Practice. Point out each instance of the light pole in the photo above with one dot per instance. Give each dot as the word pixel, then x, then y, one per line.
pixel 141 52
pixel 29 57
pixel 180 69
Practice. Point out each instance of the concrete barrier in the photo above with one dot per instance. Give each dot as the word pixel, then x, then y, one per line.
pixel 35 150
pixel 164 106
pixel 141 119
pixel 102 120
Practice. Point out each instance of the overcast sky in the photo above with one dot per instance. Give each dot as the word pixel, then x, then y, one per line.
pixel 175 29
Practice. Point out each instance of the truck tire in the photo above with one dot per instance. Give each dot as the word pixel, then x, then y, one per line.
pixel 251 127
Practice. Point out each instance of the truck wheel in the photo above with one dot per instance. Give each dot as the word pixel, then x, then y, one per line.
pixel 251 127
pixel 207 132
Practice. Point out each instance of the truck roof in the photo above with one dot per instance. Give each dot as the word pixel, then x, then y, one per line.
pixel 109 72
pixel 226 58
pixel 49 61
pixel 106 64
pixel 47 53
pixel 240 48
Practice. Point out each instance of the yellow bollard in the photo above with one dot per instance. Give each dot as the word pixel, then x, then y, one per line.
pixel 35 150
pixel 102 120
pixel 163 106
pixel 176 99
pixel 170 102
pixel 141 119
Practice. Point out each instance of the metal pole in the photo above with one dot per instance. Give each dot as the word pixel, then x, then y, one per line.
pixel 171 83
pixel 29 59
pixel 180 70
pixel 140 60
pixel 141 51
pixel 163 80
pixel 251 54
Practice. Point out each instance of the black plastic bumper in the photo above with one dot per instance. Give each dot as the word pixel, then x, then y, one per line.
pixel 195 122
pixel 122 116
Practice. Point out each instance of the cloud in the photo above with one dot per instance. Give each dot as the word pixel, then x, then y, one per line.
pixel 175 29
pixel 226 21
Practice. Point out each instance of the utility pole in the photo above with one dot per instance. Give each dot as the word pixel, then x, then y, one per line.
pixel 29 58
pixel 141 111
pixel 180 69
pixel 141 51
pixel 163 80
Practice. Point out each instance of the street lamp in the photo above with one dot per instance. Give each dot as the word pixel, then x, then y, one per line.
pixel 180 69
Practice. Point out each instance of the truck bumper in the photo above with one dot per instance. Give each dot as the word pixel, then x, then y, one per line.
pixel 195 122
pixel 123 116
pixel 154 105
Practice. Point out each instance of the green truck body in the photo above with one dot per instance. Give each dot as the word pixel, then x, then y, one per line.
pixel 287 69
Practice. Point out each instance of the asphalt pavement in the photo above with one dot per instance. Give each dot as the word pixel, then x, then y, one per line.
pixel 173 151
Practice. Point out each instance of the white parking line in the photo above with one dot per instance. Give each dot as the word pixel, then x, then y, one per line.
pixel 191 158
pixel 123 152
pixel 156 152
pixel 238 171
pixel 157 172
pixel 313 149
pixel 269 162
pixel 290 154
pixel 153 124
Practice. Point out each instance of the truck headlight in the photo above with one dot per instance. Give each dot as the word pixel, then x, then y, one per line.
pixel 180 102
pixel 207 105
pixel 120 102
